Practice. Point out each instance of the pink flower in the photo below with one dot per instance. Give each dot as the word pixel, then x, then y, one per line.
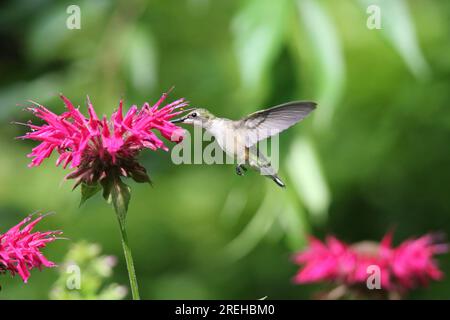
pixel 412 261
pixel 20 248
pixel 101 147
pixel 402 268
pixel 324 261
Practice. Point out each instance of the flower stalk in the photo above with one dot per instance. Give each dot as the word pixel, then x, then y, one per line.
pixel 117 192
pixel 128 258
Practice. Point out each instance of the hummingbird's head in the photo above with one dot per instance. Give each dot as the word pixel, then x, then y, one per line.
pixel 197 116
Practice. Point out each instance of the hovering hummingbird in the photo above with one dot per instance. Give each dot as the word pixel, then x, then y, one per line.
pixel 238 138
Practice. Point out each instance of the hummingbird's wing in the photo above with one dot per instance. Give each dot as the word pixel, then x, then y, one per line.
pixel 265 123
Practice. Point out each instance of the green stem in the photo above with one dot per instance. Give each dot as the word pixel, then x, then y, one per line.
pixel 129 261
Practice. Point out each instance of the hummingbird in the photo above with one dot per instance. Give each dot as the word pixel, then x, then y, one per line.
pixel 238 138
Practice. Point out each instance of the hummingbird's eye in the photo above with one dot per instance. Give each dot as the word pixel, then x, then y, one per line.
pixel 193 115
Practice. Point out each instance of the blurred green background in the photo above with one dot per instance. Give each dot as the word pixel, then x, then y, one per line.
pixel 373 157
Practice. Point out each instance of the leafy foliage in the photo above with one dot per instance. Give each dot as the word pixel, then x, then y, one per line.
pixel 84 263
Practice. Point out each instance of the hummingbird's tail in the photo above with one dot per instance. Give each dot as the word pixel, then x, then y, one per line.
pixel 278 181
pixel 263 165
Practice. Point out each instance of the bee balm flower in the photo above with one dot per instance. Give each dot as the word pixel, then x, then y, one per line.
pixel 20 248
pixel 401 268
pixel 98 148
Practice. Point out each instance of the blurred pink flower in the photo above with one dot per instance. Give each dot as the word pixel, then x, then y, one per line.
pixel 96 147
pixel 324 261
pixel 20 248
pixel 412 261
pixel 409 265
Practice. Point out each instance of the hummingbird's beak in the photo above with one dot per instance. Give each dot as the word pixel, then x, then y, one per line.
pixel 179 120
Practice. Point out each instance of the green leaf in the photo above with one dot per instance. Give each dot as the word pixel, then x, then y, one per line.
pixel 258 227
pixel 397 26
pixel 139 174
pixel 325 48
pixel 294 222
pixel 107 184
pixel 141 59
pixel 120 197
pixel 88 191
pixel 258 33
pixel 305 170
pixel 60 42
pixel 19 92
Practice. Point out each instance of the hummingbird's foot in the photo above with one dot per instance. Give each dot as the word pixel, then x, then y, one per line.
pixel 240 170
